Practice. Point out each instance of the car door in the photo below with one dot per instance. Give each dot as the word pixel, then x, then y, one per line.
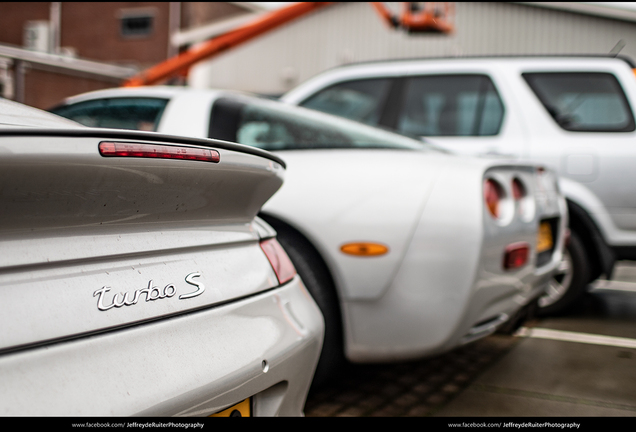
pixel 367 100
pixel 583 126
pixel 460 110
pixel 465 112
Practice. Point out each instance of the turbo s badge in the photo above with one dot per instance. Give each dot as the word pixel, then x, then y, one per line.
pixel 150 293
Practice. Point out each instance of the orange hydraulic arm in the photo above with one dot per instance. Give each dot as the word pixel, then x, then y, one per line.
pixel 416 17
pixel 419 17
pixel 181 62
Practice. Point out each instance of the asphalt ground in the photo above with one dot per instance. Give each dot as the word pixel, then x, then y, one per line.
pixel 579 365
pixel 417 389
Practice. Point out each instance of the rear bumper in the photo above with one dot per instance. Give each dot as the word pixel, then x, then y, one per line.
pixel 419 321
pixel 447 296
pixel 265 347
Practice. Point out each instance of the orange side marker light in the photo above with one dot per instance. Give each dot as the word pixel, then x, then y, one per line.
pixel 364 249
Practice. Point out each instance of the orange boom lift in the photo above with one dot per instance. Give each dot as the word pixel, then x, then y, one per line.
pixel 416 17
pixel 419 17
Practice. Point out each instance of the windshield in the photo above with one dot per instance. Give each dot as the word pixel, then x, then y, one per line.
pixel 137 113
pixel 274 126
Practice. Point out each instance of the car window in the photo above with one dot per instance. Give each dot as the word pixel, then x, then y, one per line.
pixel 274 126
pixel 451 105
pixel 360 100
pixel 120 113
pixel 583 102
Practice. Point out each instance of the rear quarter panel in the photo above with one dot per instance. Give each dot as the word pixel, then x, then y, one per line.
pixel 342 196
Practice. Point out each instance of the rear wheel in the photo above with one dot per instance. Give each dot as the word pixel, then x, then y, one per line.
pixel 570 281
pixel 316 278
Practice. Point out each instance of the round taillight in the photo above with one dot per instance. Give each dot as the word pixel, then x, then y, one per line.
pixel 524 201
pixel 518 190
pixel 493 194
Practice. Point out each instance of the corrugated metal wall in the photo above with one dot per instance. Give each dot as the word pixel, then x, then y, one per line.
pixel 351 32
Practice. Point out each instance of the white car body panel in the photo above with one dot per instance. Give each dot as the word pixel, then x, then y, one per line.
pixel 354 212
pixel 187 116
pixel 114 374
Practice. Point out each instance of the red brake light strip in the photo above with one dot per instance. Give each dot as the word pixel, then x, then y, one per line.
pixel 119 149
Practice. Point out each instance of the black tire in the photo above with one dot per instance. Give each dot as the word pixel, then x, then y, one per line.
pixel 316 278
pixel 570 282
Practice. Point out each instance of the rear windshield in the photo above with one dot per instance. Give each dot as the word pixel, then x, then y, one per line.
pixel 118 113
pixel 583 102
pixel 274 126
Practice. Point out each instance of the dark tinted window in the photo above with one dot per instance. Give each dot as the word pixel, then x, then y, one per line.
pixel 136 26
pixel 584 102
pixel 361 100
pixel 451 105
pixel 273 126
pixel 119 113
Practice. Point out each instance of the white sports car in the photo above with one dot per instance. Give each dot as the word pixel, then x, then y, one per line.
pixel 136 279
pixel 408 251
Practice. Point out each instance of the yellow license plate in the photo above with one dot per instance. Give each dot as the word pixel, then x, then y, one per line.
pixel 544 238
pixel 241 409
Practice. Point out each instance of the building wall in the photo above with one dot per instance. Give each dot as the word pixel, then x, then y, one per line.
pixel 45 89
pixel 351 32
pixel 13 15
pixel 196 14
pixel 94 30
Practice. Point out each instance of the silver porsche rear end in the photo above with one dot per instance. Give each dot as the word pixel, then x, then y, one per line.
pixel 135 279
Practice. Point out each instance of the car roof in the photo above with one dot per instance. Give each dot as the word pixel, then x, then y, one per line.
pixel 502 57
pixel 406 66
pixel 17 115
pixel 449 65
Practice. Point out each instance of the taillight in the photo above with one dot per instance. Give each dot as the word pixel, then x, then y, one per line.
pixel 525 202
pixel 282 265
pixel 493 194
pixel 140 150
pixel 516 255
pixel 518 190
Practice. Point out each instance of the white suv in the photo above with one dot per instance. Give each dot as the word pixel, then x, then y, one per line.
pixel 572 113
